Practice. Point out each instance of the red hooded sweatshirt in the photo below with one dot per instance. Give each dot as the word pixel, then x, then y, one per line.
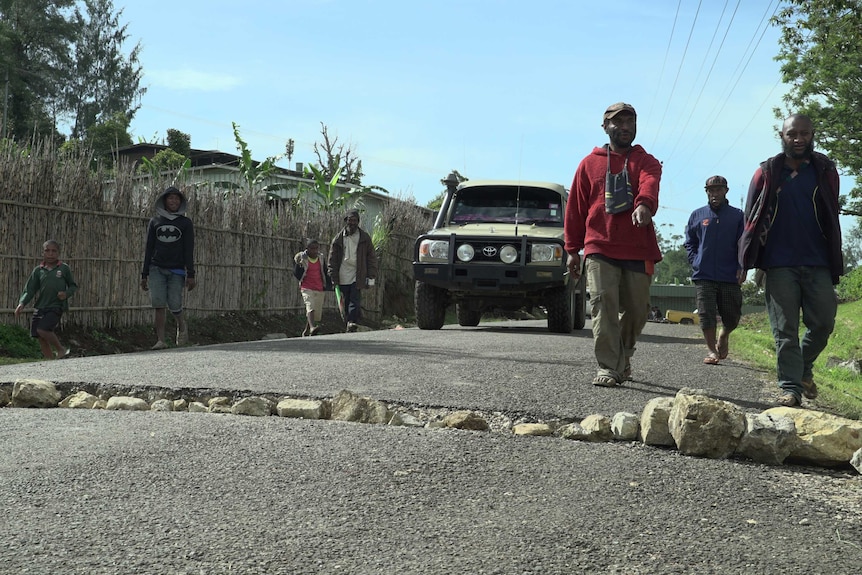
pixel 591 228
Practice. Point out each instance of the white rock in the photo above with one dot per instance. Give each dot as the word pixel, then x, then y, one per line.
pixel 124 403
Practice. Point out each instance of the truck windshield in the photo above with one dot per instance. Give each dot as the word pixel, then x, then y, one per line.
pixel 504 204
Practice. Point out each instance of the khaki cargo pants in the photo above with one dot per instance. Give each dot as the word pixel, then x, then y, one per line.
pixel 619 303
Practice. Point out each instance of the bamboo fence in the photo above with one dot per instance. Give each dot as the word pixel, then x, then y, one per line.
pixel 244 245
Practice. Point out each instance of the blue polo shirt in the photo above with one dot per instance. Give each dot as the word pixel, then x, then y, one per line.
pixel 795 237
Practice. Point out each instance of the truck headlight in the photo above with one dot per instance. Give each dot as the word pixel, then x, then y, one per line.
pixel 434 249
pixel 546 253
pixel 466 252
pixel 508 254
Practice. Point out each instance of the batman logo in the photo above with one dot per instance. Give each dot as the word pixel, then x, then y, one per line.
pixel 168 233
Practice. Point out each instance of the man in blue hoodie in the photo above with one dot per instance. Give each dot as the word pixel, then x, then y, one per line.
pixel 711 237
pixel 169 262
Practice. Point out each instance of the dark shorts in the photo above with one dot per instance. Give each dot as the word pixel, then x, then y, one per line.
pixel 718 299
pixel 45 319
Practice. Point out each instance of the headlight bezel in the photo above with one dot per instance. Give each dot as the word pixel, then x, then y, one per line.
pixel 434 249
pixel 550 253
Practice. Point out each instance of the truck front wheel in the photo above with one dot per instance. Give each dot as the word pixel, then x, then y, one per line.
pixel 561 308
pixel 430 303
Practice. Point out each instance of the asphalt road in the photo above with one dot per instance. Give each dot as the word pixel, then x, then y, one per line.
pixel 156 493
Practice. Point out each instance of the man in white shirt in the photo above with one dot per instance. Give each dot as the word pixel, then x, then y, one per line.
pixel 352 266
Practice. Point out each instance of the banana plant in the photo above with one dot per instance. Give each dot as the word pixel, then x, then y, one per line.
pixel 253 175
pixel 327 194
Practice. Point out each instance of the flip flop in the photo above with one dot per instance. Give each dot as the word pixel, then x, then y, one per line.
pixel 710 360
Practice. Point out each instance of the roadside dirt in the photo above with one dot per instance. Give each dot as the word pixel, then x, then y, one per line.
pixel 223 328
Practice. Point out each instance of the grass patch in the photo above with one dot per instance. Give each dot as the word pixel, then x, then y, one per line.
pixel 16 345
pixel 840 390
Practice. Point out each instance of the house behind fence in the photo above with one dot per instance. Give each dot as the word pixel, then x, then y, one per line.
pixel 244 244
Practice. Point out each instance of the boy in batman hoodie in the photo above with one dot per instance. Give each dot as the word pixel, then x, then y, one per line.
pixel 169 262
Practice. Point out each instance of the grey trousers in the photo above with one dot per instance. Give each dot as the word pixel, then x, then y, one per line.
pixel 619 303
pixel 790 291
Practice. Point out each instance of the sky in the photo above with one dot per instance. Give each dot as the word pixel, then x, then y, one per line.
pixel 496 89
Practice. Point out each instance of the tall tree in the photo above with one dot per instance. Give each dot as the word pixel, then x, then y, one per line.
pixel 103 80
pixel 821 55
pixel 334 157
pixel 106 136
pixel 35 40
pixel 180 142
pixel 674 267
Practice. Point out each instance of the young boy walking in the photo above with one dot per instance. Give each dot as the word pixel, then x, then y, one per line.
pixel 169 263
pixel 310 270
pixel 52 284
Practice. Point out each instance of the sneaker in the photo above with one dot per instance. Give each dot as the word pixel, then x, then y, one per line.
pixel 183 334
pixel 605 381
pixel 809 388
pixel 352 327
pixel 159 345
pixel 67 353
pixel 788 400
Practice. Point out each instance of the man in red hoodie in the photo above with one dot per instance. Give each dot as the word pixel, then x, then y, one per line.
pixel 609 214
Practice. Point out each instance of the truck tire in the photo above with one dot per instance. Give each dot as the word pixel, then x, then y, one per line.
pixel 468 317
pixel 561 306
pixel 430 305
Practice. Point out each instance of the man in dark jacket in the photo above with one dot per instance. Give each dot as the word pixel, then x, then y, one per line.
pixel 169 262
pixel 352 266
pixel 711 238
pixel 792 234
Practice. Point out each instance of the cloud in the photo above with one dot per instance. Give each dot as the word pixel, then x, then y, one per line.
pixel 188 79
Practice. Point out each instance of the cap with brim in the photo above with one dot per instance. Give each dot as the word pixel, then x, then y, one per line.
pixel 615 109
pixel 716 181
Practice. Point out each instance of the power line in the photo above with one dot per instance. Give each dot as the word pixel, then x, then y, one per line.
pixel 678 70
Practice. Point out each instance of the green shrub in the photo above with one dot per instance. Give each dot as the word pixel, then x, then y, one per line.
pixel 15 341
pixel 850 287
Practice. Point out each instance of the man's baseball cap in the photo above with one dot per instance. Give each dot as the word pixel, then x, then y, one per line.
pixel 716 181
pixel 615 109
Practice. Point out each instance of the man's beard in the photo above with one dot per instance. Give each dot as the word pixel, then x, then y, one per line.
pixel 790 153
pixel 617 141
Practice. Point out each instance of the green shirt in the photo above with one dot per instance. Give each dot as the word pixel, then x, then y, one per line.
pixel 44 284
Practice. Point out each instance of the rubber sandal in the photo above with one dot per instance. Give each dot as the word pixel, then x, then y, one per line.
pixel 809 388
pixel 627 374
pixel 605 381
pixel 710 359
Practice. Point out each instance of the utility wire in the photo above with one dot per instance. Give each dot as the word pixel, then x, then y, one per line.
pixel 705 82
pixel 722 103
pixel 678 72
pixel 666 55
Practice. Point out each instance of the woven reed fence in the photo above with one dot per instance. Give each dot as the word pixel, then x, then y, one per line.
pixel 244 246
